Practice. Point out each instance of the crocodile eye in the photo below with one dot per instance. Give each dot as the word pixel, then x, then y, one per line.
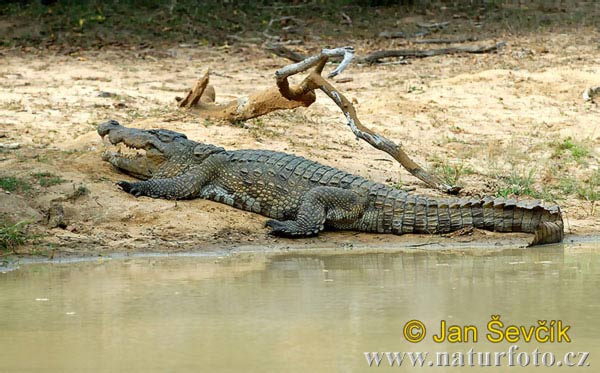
pixel 165 137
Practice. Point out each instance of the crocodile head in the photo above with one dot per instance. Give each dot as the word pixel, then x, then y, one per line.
pixel 158 153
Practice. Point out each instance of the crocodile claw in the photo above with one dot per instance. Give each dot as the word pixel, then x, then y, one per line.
pixel 278 228
pixel 129 188
pixel 272 223
pixel 288 229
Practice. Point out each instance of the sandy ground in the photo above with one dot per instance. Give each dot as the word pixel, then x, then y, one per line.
pixel 494 114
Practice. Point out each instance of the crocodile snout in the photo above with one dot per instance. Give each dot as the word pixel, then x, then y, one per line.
pixel 106 127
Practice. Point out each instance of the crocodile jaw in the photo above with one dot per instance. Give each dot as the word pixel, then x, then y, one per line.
pixel 131 137
pixel 147 156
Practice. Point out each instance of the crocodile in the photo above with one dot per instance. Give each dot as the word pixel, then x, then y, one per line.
pixel 303 197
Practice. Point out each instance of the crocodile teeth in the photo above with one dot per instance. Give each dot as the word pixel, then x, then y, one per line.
pixel 128 152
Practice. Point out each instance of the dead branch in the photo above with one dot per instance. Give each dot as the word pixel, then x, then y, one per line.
pixel 444 41
pixel 434 25
pixel 201 99
pixel 195 94
pixel 401 34
pixel 347 20
pixel 392 35
pixel 416 53
pixel 244 40
pixel 285 96
pixel 255 105
pixel 285 52
pixel 375 57
pixel 315 81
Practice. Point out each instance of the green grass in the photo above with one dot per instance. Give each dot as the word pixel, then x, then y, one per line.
pixel 41 158
pixel 519 184
pixel 47 179
pixel 567 186
pixel 12 184
pixel 80 191
pixel 451 174
pixel 70 22
pixel 589 189
pixel 576 149
pixel 14 235
pixel 260 131
pixel 96 23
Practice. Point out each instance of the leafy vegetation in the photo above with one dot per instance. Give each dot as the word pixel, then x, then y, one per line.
pixel 95 23
pixel 47 179
pixel 519 184
pixel 14 235
pixel 589 189
pixel 80 191
pixel 451 173
pixel 576 149
pixel 12 184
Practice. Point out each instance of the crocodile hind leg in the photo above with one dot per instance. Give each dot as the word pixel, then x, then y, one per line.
pixel 321 206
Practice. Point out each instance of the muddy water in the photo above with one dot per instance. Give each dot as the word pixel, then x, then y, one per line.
pixel 289 312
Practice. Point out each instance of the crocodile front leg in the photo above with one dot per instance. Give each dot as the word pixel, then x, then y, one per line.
pixel 335 207
pixel 181 187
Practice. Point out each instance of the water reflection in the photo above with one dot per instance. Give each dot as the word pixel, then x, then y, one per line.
pixel 285 312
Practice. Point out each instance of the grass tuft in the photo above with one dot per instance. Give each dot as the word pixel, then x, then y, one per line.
pixel 80 191
pixel 11 184
pixel 47 179
pixel 519 184
pixel 451 174
pixel 589 189
pixel 578 151
pixel 15 235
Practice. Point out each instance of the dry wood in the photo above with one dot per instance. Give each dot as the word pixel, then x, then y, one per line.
pixel 417 53
pixel 195 94
pixel 434 25
pixel 392 35
pixel 347 20
pixel 401 34
pixel 285 52
pixel 315 81
pixel 444 41
pixel 285 96
pixel 201 100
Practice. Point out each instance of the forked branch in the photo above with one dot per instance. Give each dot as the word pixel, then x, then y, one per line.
pixel 286 96
pixel 315 81
pixel 201 99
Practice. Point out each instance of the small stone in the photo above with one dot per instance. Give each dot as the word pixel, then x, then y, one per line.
pixel 14 145
pixel 590 93
pixel 105 94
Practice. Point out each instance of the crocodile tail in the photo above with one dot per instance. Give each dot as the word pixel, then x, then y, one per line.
pixel 429 215
pixel 507 215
